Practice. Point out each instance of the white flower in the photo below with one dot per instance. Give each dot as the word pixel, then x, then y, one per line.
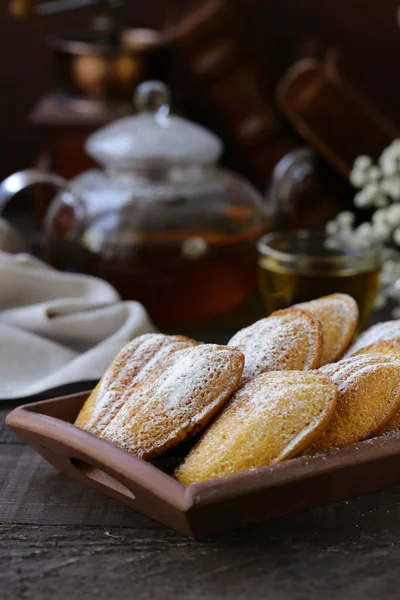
pixel 331 228
pixel 360 243
pixel 373 173
pixel 395 291
pixel 390 273
pixel 389 267
pixel 361 199
pixel 381 231
pixel 379 191
pixel 386 280
pixel 393 211
pixel 391 186
pixel 359 173
pixel 370 195
pixel 396 236
pixel 345 219
pixel 389 166
pixel 389 255
pixel 389 160
pixel 362 163
pixel 380 301
pixel 364 230
pixel 331 244
pixel 362 237
pixel 358 178
pixel 380 216
pixel 380 200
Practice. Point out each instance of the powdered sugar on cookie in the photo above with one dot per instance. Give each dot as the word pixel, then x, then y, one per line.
pixel 132 365
pixel 176 400
pixel 369 397
pixel 289 339
pixel 268 420
pixel 338 314
pixel 389 330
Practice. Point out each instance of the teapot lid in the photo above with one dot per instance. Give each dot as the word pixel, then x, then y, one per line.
pixel 152 138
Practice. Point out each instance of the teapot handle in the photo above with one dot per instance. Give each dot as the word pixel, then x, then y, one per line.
pixel 23 179
pixel 287 173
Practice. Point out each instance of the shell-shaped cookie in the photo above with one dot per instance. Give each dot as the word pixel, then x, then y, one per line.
pixel 386 331
pixel 269 419
pixel 368 398
pixel 178 399
pixel 338 314
pixel 131 365
pixel 289 339
pixel 393 425
pixel 383 349
pixel 391 351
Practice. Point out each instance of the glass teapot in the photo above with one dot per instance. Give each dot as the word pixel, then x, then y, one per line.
pixel 161 221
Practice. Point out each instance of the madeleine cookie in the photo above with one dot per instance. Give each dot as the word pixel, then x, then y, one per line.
pixel 393 425
pixel 387 348
pixel 133 364
pixel 269 419
pixel 178 399
pixel 289 339
pixel 386 331
pixel 369 397
pixel 338 314
pixel 390 350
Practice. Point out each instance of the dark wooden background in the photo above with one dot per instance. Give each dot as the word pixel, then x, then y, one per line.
pixel 366 32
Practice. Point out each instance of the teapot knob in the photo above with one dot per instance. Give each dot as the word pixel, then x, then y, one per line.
pixel 152 96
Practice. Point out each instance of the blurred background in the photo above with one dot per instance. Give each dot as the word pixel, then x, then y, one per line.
pixel 295 91
pixel 364 35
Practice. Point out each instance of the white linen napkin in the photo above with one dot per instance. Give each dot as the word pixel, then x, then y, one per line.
pixel 58 328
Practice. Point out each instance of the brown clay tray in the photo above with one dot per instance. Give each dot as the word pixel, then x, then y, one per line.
pixel 204 509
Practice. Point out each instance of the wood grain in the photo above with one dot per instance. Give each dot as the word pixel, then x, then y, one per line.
pixel 281 561
pixel 64 535
pixel 58 539
pixel 32 492
pixel 6 435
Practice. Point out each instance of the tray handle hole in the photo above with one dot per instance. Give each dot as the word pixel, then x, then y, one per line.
pixel 99 476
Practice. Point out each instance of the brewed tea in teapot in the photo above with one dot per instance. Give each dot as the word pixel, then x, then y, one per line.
pixel 161 221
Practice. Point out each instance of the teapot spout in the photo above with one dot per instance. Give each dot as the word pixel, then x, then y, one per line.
pixel 23 179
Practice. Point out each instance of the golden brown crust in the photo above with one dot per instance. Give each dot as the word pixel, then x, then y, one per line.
pixel 161 389
pixel 131 365
pixel 178 399
pixel 385 331
pixel 87 409
pixel 289 339
pixel 271 418
pixel 338 314
pixel 369 397
pixel 393 425
pixel 386 348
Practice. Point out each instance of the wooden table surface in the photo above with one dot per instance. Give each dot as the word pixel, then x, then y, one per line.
pixel 59 539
